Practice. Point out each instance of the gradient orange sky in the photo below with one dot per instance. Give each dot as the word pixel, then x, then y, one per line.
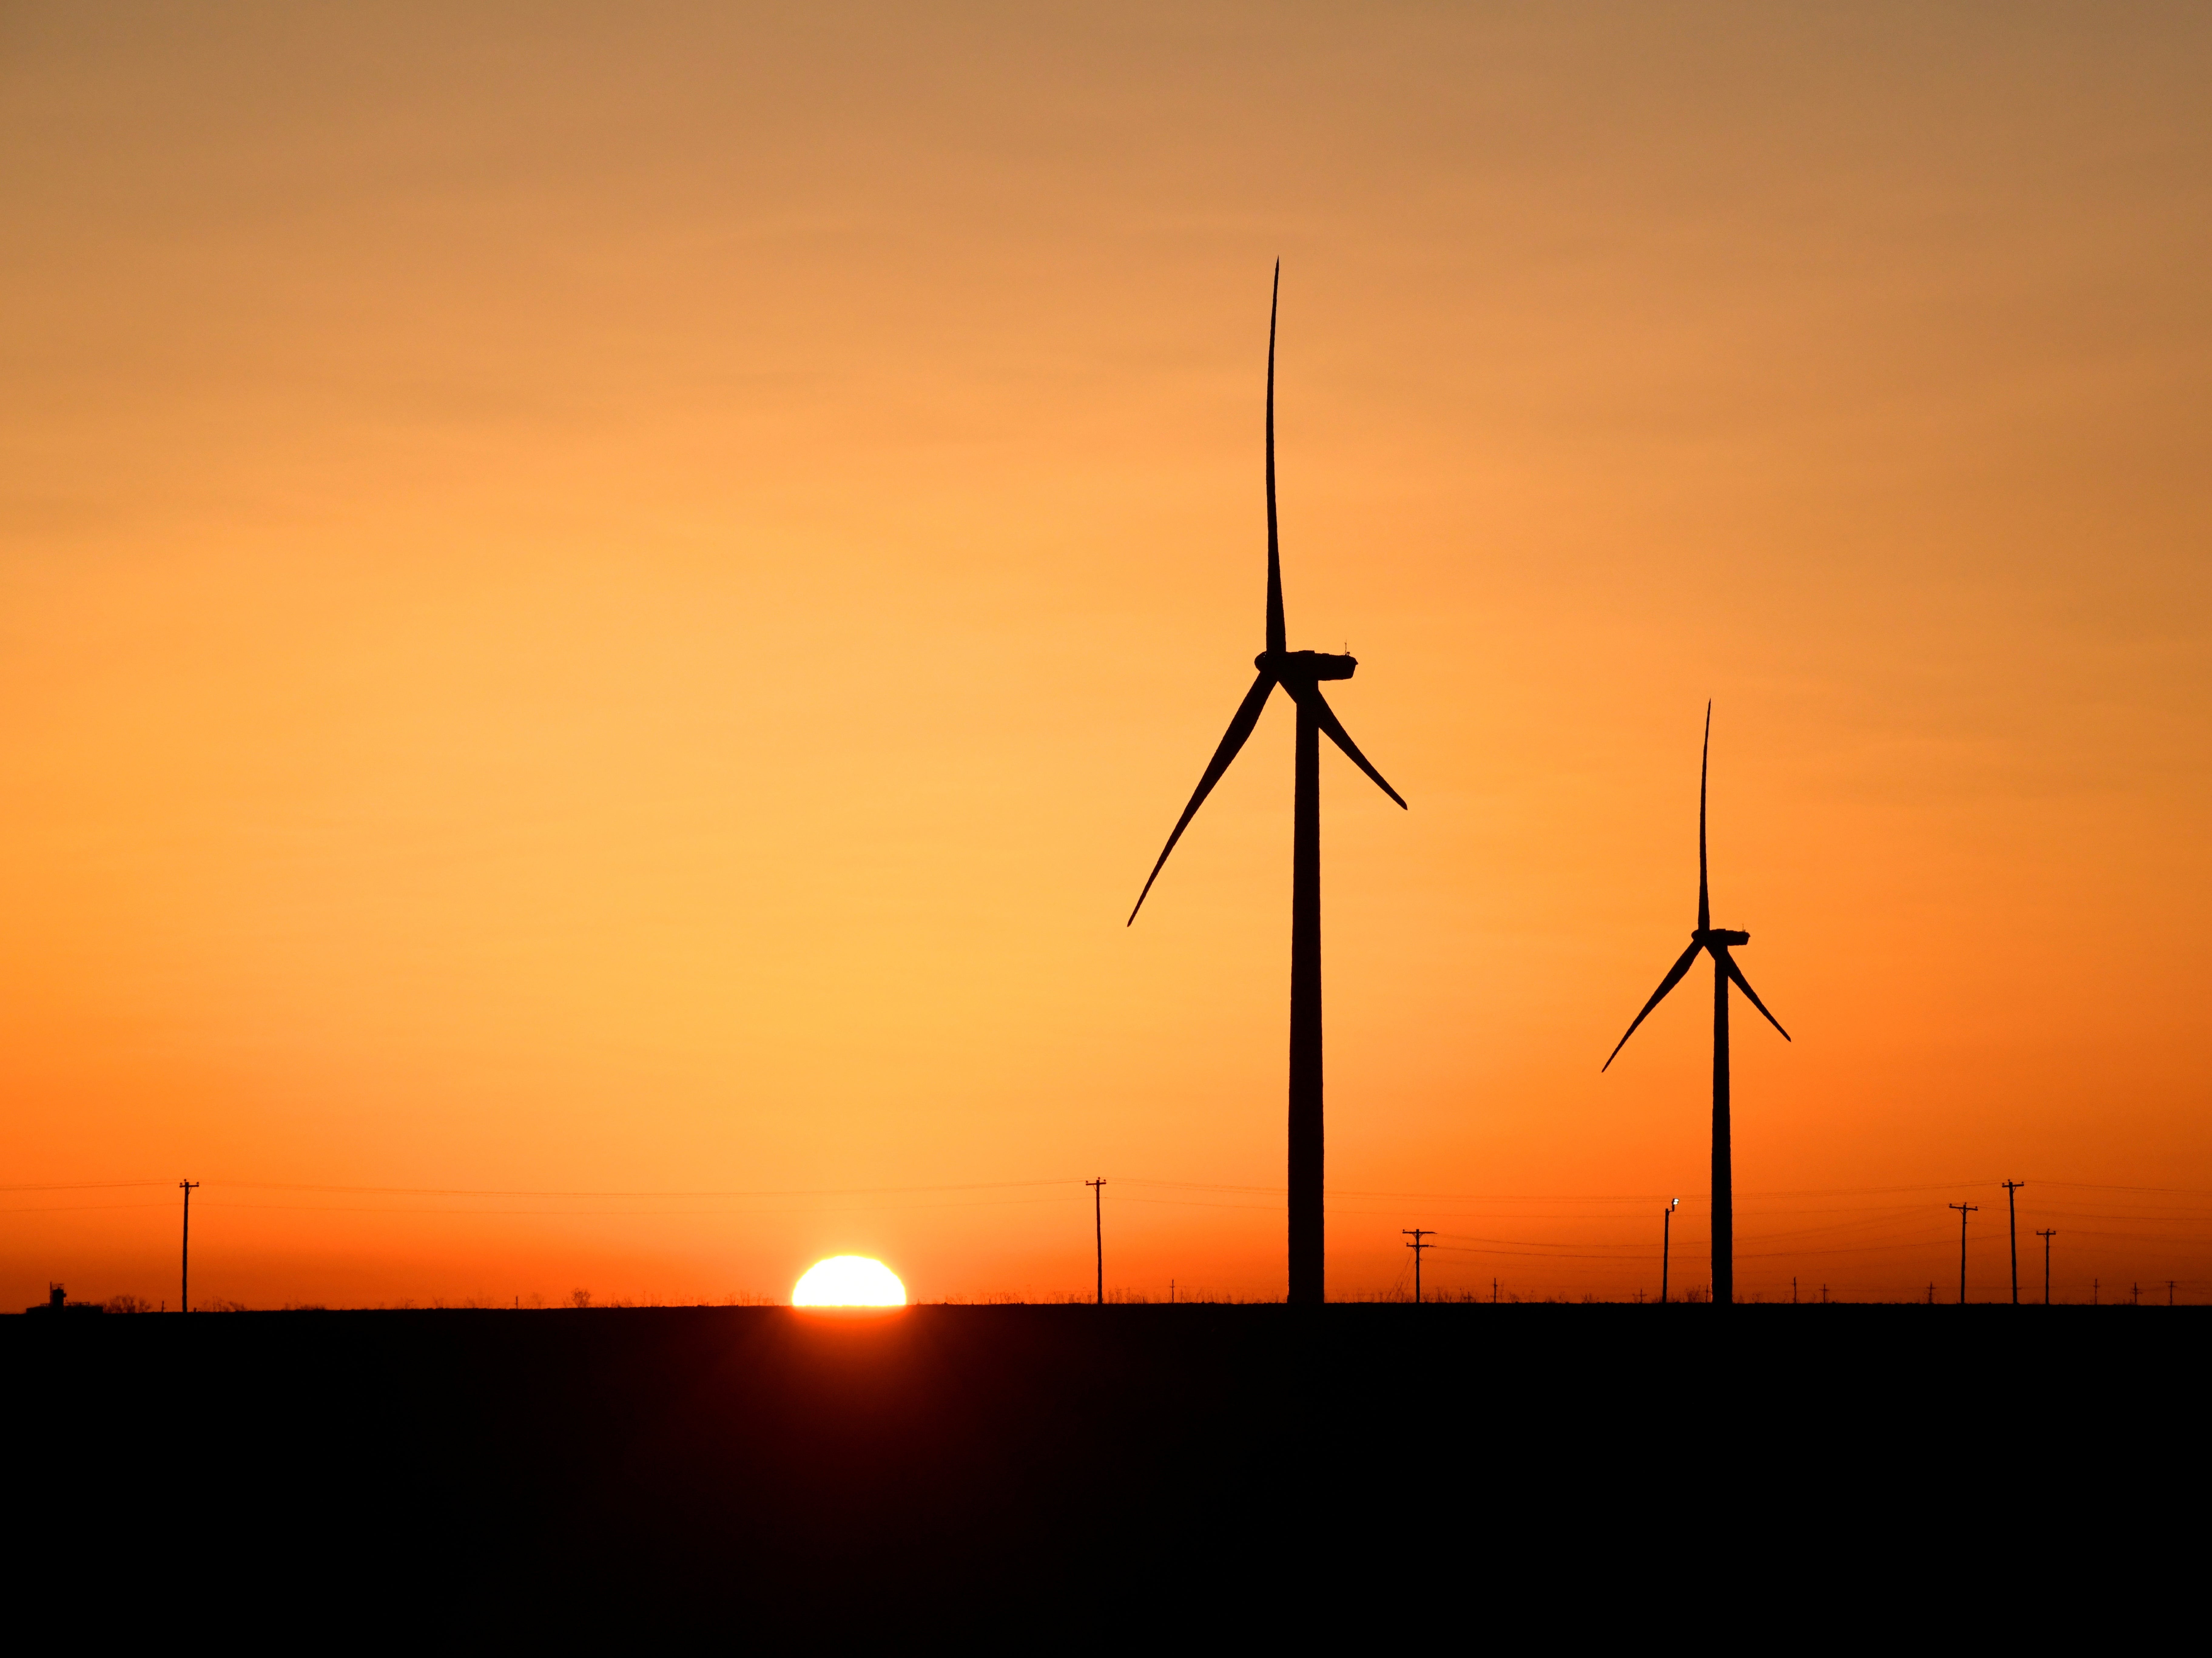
pixel 605 609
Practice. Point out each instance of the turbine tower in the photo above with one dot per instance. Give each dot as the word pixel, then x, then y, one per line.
pixel 1300 674
pixel 1715 942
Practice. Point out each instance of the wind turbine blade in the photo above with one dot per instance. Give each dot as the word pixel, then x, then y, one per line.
pixel 1342 738
pixel 1240 728
pixel 1674 977
pixel 1704 755
pixel 1277 635
pixel 1728 962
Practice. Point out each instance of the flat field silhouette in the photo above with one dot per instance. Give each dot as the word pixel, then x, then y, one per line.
pixel 948 1465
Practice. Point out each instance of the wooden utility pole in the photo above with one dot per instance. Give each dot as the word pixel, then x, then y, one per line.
pixel 1965 1210
pixel 1666 1246
pixel 2046 1236
pixel 2012 1231
pixel 2169 1293
pixel 1417 1233
pixel 184 1271
pixel 1098 1226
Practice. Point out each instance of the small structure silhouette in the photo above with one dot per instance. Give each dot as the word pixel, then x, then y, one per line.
pixel 1707 939
pixel 2046 1236
pixel 1300 674
pixel 57 1300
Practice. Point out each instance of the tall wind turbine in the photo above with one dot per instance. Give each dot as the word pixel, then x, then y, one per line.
pixel 1715 942
pixel 1300 674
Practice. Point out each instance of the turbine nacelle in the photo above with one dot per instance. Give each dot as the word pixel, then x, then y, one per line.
pixel 1305 667
pixel 1718 935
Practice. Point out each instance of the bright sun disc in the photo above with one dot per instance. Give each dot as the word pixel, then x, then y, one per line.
pixel 849 1281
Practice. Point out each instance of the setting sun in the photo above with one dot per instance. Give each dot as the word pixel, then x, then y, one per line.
pixel 848 1281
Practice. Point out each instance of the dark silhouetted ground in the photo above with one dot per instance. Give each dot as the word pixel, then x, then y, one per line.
pixel 765 1472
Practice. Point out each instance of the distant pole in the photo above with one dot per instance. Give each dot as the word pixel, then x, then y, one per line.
pixel 1098 1225
pixel 1824 1295
pixel 2135 1295
pixel 1417 1233
pixel 2012 1231
pixel 1965 1210
pixel 184 1271
pixel 1170 1292
pixel 1793 1291
pixel 2169 1293
pixel 2046 1236
pixel 1493 1292
pixel 2095 1285
pixel 1666 1246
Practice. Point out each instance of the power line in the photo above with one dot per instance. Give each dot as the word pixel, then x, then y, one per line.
pixel 1099 1220
pixel 1417 1233
pixel 1965 1210
pixel 2012 1231
pixel 185 1265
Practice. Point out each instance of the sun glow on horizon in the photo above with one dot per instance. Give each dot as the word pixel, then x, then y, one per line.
pixel 848 1281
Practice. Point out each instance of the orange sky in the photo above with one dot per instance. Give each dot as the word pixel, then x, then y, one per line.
pixel 618 600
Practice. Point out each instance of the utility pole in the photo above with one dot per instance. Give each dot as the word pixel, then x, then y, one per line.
pixel 1417 1233
pixel 1965 1210
pixel 1098 1222
pixel 2012 1231
pixel 185 1272
pixel 2046 1236
pixel 1666 1246
pixel 2135 1295
pixel 1493 1292
pixel 1824 1295
pixel 1793 1291
pixel 2169 1293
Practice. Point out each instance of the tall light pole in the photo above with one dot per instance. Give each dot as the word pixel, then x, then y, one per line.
pixel 2046 1236
pixel 1965 1210
pixel 1666 1246
pixel 2012 1231
pixel 184 1271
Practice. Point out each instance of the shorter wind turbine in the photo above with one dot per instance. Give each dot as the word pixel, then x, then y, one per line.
pixel 1707 939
